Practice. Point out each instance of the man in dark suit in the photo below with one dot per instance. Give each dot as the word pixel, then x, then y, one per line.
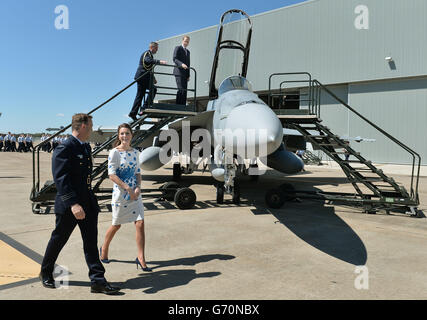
pixel 181 58
pixel 75 204
pixel 146 63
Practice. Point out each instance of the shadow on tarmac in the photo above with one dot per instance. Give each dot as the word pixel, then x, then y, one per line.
pixel 316 224
pixel 181 261
pixel 321 228
pixel 310 220
pixel 153 282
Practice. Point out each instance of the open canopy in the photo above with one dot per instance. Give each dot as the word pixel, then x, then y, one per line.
pixel 232 49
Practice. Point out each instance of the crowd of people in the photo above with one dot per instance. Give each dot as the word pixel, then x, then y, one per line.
pixel 51 145
pixel 24 142
pixel 9 141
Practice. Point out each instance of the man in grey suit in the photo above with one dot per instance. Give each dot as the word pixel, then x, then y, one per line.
pixel 181 57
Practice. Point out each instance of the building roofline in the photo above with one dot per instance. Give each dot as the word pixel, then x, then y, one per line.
pixel 306 2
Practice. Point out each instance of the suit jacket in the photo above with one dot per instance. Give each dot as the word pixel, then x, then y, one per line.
pixel 146 62
pixel 180 57
pixel 71 169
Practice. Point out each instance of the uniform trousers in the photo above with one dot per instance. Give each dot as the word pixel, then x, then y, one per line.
pixel 65 224
pixel 21 147
pixel 143 86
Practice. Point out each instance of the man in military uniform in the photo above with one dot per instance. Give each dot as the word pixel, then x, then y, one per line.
pixel 146 63
pixel 75 204
pixel 7 142
pixel 29 143
pixel 12 143
pixel 21 145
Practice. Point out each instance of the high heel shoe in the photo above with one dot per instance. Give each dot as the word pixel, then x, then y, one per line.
pixel 147 269
pixel 100 255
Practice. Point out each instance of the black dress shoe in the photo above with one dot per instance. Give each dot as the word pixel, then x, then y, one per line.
pixel 141 112
pixel 104 288
pixel 47 281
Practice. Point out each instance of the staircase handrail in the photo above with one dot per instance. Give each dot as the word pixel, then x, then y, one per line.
pixel 414 193
pixel 38 146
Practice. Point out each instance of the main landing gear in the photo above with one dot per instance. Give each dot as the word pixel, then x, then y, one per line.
pixel 276 197
pixel 184 198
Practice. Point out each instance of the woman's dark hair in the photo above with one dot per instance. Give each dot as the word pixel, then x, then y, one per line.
pixel 123 125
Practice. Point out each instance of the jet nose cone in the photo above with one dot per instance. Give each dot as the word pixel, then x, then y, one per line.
pixel 260 128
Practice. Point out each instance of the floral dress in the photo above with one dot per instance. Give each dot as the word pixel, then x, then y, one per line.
pixel 125 165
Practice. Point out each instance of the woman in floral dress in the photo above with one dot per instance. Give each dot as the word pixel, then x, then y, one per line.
pixel 124 171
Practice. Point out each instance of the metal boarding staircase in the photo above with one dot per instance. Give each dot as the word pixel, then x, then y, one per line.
pixel 374 190
pixel 156 116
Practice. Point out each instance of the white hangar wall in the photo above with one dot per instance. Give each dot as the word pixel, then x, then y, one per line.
pixel 326 38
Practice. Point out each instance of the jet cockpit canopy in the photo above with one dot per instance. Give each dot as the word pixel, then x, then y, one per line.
pixel 232 48
pixel 234 83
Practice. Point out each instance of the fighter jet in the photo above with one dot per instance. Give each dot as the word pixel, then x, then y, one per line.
pixel 237 127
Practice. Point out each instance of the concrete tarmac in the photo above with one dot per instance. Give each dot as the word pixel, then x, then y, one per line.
pixel 306 250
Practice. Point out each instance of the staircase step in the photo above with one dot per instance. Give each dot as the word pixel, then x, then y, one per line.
pixel 384 186
pixel 361 169
pixel 316 136
pixel 392 194
pixel 343 152
pixel 310 128
pixel 292 112
pixel 390 182
pixel 373 179
pixel 328 144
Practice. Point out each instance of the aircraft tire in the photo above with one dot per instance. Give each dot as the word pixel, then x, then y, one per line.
pixel 169 190
pixel 289 191
pixel 275 198
pixel 185 198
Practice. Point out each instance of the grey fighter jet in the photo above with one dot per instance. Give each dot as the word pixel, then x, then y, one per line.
pixel 237 126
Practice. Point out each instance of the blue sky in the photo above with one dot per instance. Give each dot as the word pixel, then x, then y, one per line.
pixel 47 75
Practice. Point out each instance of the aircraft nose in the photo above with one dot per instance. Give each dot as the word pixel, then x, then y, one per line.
pixel 262 130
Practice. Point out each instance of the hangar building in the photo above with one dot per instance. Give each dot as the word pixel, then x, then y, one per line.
pixel 372 54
